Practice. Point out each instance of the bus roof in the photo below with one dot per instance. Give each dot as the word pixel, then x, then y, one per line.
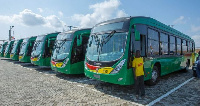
pixel 30 37
pixel 151 22
pixel 48 34
pixel 74 30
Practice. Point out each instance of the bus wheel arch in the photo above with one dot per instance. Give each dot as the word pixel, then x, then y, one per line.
pixel 155 74
pixel 187 65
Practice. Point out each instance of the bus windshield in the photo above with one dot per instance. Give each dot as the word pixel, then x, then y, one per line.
pixel 14 47
pixel 7 48
pixel 62 46
pixel 23 46
pixel 107 41
pixel 37 48
pixel 110 49
pixel 1 48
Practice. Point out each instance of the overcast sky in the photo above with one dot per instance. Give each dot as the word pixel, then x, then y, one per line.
pixel 36 17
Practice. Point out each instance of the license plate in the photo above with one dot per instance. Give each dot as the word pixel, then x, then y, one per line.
pixel 97 76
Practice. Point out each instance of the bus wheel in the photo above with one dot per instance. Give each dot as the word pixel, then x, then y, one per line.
pixel 194 73
pixel 154 76
pixel 186 67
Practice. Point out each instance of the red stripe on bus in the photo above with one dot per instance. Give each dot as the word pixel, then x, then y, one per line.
pixel 91 67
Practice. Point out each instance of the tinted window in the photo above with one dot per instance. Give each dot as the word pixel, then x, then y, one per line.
pixel 178 46
pixel 172 45
pixel 184 46
pixel 164 44
pixel 153 43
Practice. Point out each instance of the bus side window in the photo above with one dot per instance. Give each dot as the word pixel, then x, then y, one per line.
pixel 172 45
pixel 78 52
pixel 84 43
pixel 138 45
pixel 164 44
pixel 75 54
pixel 49 50
pixel 153 43
pixel 143 45
pixel 30 47
pixel 18 48
pixel 51 47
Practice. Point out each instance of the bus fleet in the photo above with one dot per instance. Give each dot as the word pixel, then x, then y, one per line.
pixel 106 51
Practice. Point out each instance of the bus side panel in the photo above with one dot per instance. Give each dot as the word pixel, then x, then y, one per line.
pixel 15 57
pixel 148 69
pixel 113 78
pixel 165 66
pixel 77 68
pixel 178 62
pixel 26 59
pixel 46 61
pixel 7 55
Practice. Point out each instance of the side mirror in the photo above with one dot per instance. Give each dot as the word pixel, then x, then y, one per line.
pixel 49 42
pixel 137 34
pixel 31 44
pixel 79 40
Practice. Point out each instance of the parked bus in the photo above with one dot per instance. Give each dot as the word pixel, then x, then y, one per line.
pixel 14 55
pixel 112 45
pixel 69 51
pixel 2 50
pixel 42 49
pixel 8 49
pixel 26 49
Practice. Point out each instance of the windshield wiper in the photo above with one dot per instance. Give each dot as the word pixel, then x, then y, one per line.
pixel 59 45
pixel 101 42
pixel 107 38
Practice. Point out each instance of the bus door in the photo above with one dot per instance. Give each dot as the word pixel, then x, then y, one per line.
pixel 137 44
pixel 78 51
pixel 49 46
pixel 30 47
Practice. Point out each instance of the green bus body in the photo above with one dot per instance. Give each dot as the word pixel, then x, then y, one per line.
pixel 2 50
pixel 159 45
pixel 69 51
pixel 26 49
pixel 8 49
pixel 14 55
pixel 42 49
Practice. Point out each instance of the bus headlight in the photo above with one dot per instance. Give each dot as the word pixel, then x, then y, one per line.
pixel 118 67
pixel 65 62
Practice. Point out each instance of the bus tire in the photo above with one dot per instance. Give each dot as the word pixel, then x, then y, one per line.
pixel 194 73
pixel 186 68
pixel 154 76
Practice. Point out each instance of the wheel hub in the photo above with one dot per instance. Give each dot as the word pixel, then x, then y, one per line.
pixel 154 75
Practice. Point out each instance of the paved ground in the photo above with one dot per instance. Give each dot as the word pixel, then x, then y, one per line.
pixel 24 84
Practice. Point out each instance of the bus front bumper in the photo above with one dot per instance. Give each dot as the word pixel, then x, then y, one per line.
pixel 111 78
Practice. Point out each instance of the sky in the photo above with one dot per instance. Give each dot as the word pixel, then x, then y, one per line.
pixel 37 17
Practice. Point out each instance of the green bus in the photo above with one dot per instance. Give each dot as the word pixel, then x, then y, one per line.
pixel 42 49
pixel 2 50
pixel 69 51
pixel 8 49
pixel 14 55
pixel 26 49
pixel 112 45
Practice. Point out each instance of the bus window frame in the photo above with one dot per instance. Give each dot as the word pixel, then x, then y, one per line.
pixel 164 42
pixel 147 38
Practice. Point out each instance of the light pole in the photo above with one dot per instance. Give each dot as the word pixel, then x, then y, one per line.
pixel 70 27
pixel 10 32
